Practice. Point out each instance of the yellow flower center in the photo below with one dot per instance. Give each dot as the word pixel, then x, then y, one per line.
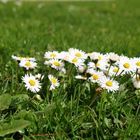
pixel 137 78
pixel 97 65
pixel 32 82
pixel 53 55
pixel 56 63
pixel 138 63
pixel 115 69
pixel 126 65
pixel 109 83
pixel 28 64
pixel 75 60
pixel 95 76
pixel 78 54
pixel 53 80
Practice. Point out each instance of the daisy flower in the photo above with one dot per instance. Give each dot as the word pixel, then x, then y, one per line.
pixel 96 76
pixel 136 62
pixel 136 81
pixel 112 57
pixel 91 65
pixel 127 65
pixel 54 82
pixel 95 56
pixel 64 55
pixel 77 53
pixel 102 65
pixel 114 70
pixel 76 61
pixel 57 64
pixel 27 64
pixel 51 55
pixel 90 68
pixel 31 83
pixel 109 84
pixel 90 71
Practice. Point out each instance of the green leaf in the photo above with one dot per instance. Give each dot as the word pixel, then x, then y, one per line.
pixel 13 126
pixel 5 101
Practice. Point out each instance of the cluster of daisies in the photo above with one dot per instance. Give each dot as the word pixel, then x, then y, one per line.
pixel 104 70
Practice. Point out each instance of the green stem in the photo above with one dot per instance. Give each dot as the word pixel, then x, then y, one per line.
pixel 109 69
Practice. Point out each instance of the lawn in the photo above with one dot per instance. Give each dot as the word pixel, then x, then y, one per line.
pixel 73 112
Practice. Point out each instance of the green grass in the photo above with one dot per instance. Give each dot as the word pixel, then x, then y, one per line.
pixel 36 27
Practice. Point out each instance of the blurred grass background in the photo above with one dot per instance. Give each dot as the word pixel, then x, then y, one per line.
pixel 105 26
pixel 31 28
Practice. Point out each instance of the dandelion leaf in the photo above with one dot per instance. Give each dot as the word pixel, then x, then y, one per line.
pixel 13 126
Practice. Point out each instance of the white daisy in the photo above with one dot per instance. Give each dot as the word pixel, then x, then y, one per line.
pixel 64 55
pixel 90 71
pixel 136 61
pixel 91 65
pixel 109 84
pixel 76 61
pixel 112 57
pixel 96 76
pixel 114 71
pixel 102 65
pixel 57 64
pixel 31 83
pixel 77 53
pixel 27 64
pixel 127 65
pixel 91 68
pixel 51 55
pixel 54 82
pixel 96 56
pixel 136 81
